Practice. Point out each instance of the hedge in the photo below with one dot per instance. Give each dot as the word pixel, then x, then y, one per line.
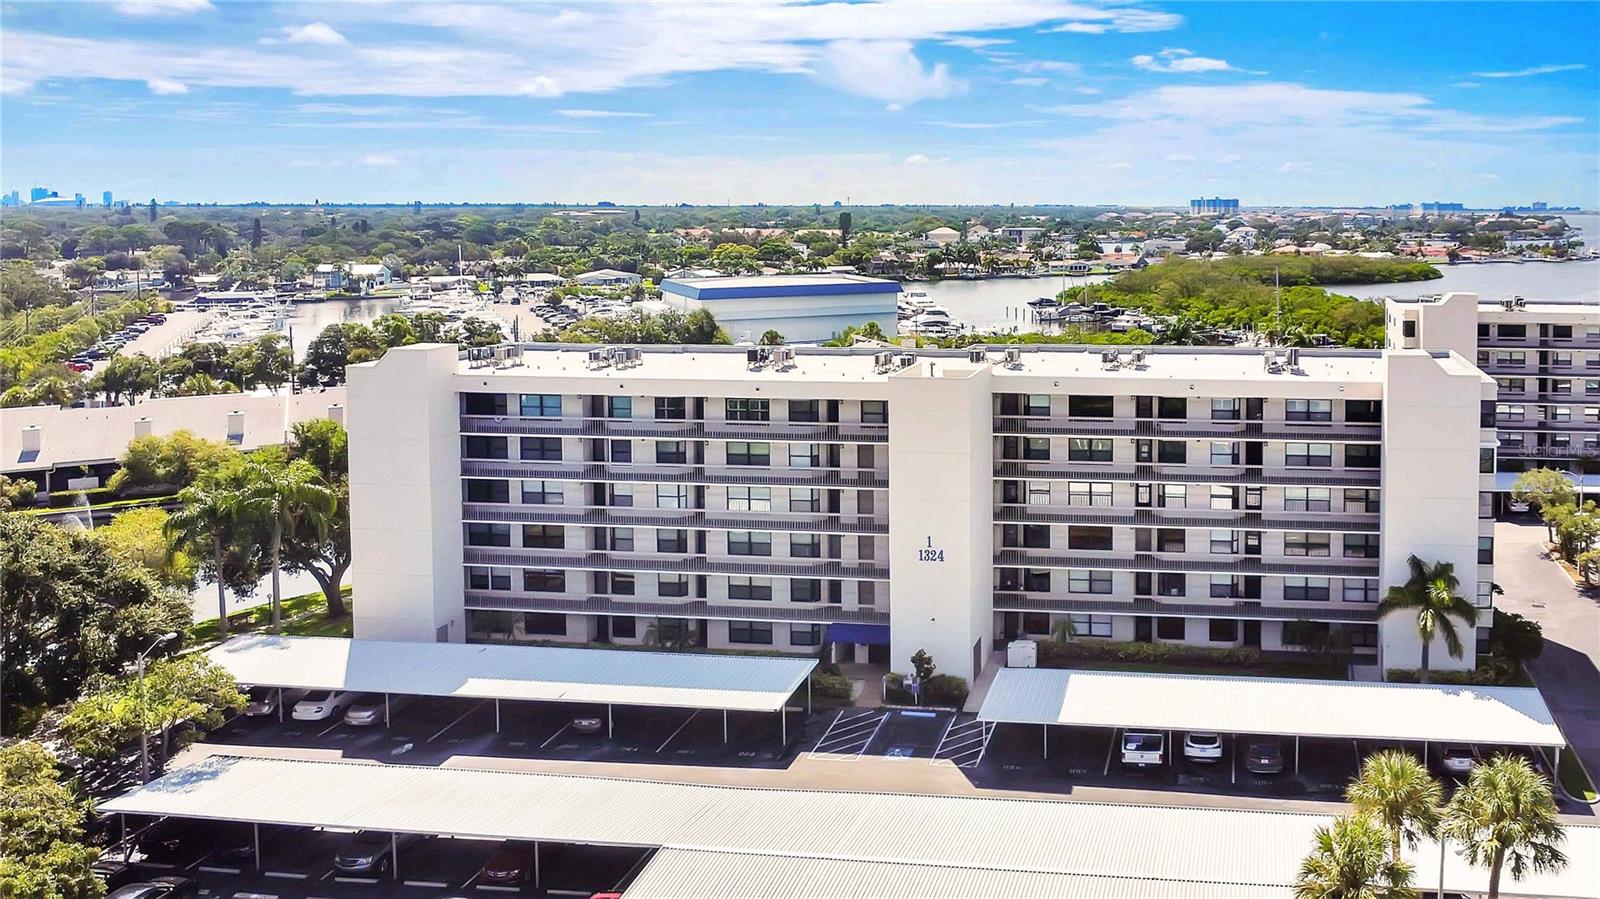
pixel 1056 654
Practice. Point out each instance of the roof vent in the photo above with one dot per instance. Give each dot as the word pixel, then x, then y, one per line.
pixel 236 427
pixel 142 426
pixel 32 439
pixel 1293 358
pixel 336 413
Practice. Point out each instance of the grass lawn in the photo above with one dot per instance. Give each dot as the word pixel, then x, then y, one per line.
pixel 1573 779
pixel 305 615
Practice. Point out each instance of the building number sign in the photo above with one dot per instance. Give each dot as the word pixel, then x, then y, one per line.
pixel 929 554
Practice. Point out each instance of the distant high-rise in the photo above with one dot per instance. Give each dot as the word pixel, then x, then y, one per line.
pixel 38 193
pixel 78 198
pixel 1437 207
pixel 1214 206
pixel 105 198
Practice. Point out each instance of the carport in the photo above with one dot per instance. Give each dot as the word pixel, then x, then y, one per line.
pixel 1513 716
pixel 609 677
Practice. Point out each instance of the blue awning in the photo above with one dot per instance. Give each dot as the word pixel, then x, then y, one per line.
pixel 869 634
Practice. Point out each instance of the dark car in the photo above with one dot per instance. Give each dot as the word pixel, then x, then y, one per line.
pixel 1264 757
pixel 509 865
pixel 159 888
pixel 114 871
pixel 176 839
pixel 371 851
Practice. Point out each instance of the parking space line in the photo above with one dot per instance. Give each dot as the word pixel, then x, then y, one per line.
pixel 217 869
pixel 343 879
pixel 330 728
pixel 843 744
pixel 454 723
pixel 551 739
pixel 287 875
pixel 678 731
pixel 431 884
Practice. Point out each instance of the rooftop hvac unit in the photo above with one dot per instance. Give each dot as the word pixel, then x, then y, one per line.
pixel 905 360
pixel 1520 302
pixel 1138 356
pixel 1108 358
pixel 1508 305
pixel 883 361
pixel 977 355
pixel 629 356
pixel 1269 360
pixel 782 357
pixel 599 358
pixel 1294 357
pixel 1014 357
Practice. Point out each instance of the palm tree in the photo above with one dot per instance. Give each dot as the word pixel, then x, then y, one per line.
pixel 1506 813
pixel 205 514
pixel 1395 789
pixel 1351 861
pixel 284 496
pixel 1431 592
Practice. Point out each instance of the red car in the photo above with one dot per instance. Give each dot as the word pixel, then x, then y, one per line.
pixel 79 366
pixel 510 865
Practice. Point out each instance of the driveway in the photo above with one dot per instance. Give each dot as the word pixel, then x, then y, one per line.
pixel 1568 671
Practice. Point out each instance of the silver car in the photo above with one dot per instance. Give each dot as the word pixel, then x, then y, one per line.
pixel 264 700
pixel 368 709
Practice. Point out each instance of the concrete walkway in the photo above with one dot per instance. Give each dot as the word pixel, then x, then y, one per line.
pixel 1568 671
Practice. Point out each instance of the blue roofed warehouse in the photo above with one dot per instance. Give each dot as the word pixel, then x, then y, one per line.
pixel 803 308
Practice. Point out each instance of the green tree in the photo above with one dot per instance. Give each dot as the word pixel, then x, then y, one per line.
pixel 1350 860
pixel 155 462
pixel 324 553
pixel 845 222
pixel 734 258
pixel 139 536
pixel 1515 638
pixel 1506 814
pixel 771 337
pixel 43 853
pixel 1395 789
pixel 284 496
pixel 207 525
pixel 1430 592
pixel 1544 488
pixel 202 384
pixel 112 714
pixel 126 378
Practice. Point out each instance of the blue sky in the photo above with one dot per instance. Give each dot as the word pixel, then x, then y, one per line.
pixel 787 102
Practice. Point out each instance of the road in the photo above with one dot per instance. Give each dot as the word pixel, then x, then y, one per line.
pixel 1568 671
pixel 177 326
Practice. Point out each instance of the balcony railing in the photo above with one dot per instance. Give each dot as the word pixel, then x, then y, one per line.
pixel 1253 476
pixel 1514 451
pixel 601 560
pixel 1182 518
pixel 650 429
pixel 1005 601
pixel 1187 563
pixel 627 517
pixel 799 613
pixel 1188 430
pixel 672 474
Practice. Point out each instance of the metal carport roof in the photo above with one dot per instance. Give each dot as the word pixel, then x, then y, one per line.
pixel 1263 705
pixel 548 673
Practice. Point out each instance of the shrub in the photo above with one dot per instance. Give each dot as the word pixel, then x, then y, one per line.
pixel 1491 672
pixel 830 685
pixel 945 690
pixel 1059 654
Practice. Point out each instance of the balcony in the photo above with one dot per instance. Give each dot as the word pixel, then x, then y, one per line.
pixel 1188 563
pixel 1182 518
pixel 601 560
pixel 1252 476
pixel 628 517
pixel 799 613
pixel 672 474
pixel 1514 451
pixel 1186 430
pixel 650 429
pixel 1246 609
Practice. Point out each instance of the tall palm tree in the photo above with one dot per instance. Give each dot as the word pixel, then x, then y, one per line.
pixel 1395 789
pixel 1350 860
pixel 284 496
pixel 205 514
pixel 1431 593
pixel 1506 813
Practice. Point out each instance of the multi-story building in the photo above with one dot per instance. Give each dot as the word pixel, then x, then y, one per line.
pixel 938 500
pixel 1545 357
pixel 1214 206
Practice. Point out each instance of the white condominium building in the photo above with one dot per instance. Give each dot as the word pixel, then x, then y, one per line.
pixel 883 503
pixel 1545 357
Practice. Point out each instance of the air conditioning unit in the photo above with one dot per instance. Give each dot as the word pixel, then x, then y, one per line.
pixel 1108 359
pixel 883 361
pixel 1022 654
pixel 752 357
pixel 599 358
pixel 1138 356
pixel 977 355
pixel 1294 357
pixel 1269 361
pixel 1014 357
pixel 782 357
pixel 905 360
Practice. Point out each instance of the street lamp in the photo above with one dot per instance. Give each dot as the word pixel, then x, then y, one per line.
pixel 144 727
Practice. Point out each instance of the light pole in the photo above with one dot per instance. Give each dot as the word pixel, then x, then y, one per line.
pixel 144 727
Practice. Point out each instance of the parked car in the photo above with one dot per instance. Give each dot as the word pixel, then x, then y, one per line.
pixel 1459 759
pixel 114 871
pixel 320 705
pixel 159 888
pixel 182 839
pixel 1264 757
pixel 371 851
pixel 509 865
pixel 368 709
pixel 1201 746
pixel 264 700
pixel 588 724
pixel 1142 749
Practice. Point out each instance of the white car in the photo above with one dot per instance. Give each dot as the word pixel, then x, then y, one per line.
pixel 1200 746
pixel 1141 749
pixel 369 708
pixel 1459 759
pixel 264 700
pixel 319 705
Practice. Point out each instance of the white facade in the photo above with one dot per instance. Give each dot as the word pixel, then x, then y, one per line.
pixel 1203 497
pixel 803 308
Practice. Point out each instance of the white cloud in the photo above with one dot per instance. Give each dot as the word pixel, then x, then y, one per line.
pixel 1180 157
pixel 1054 66
pixel 1029 81
pixel 314 33
pixel 1087 91
pixel 1468 85
pixel 1287 168
pixel 1081 28
pixel 917 159
pixel 977 43
pixel 1533 70
pixel 1089 20
pixel 600 114
pixel 378 160
pixel 1181 61
pixel 966 126
pixel 150 8
pixel 163 87
pixel 885 70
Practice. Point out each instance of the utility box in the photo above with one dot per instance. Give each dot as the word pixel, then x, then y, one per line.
pixel 1022 654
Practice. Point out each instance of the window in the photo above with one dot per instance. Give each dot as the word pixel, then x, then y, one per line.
pixel 483 447
pixel 1224 586
pixel 545 624
pixel 1485 595
pixel 805 546
pixel 1224 543
pixel 623 585
pixel 1303 543
pixel 540 449
pixel 1083 449
pixel 541 405
pixel 750 499
pixel 479 491
pixel 750 588
pixel 1031 535
pixel 1171 628
pixel 1036 405
pixel 805 590
pixel 549 580
pixel 1223 630
pixel 1305 589
pixel 1090 406
pixel 1171 584
pixel 1362 455
pixel 1088 538
pixel 542 493
pixel 805 635
pixel 1514 331
pixel 1308 455
pixel 672 496
pixel 621 450
pixel 1174 496
pixel 1224 410
pixel 621 495
pixel 1171 452
pixel 544 536
pixel 750 632
pixel 804 455
pixel 483 404
pixel 479 578
pixel 865 594
pixel 1485 550
pixel 1512 385
pixel 749 543
pixel 1037 449
pixel 1307 499
pixel 1367 412
pixel 1088 493
pixel 672 585
pixel 672 540
pixel 1408 328
pixel 1035 622
pixel 1088 581
pixel 1170 540
pixel 1038 493
pixel 1172 407
pixel 624 626
pixel 670 452
pixel 1360 546
pixel 1359 590
pixel 479 534
pixel 1359 500
pixel 739 409
pixel 1224 452
pixel 805 499
pixel 805 410
pixel 874 412
pixel 1090 625
pixel 743 453
pixel 1308 410
pixel 671 408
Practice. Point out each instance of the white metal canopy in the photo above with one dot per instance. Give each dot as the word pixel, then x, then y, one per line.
pixel 547 673
pixel 1514 716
